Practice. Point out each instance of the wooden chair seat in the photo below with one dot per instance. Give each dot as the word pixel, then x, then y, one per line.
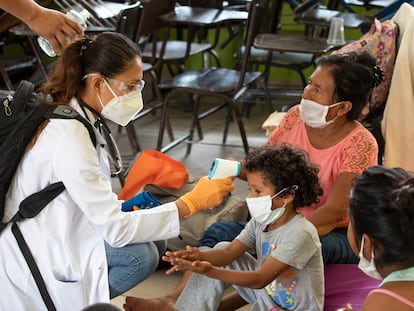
pixel 291 60
pixel 175 50
pixel 210 80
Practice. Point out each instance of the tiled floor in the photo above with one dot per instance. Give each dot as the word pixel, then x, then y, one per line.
pixel 197 163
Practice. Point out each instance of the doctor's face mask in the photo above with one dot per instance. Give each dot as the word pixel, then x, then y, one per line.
pixel 121 109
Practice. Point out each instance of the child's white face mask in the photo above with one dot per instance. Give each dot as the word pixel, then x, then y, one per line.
pixel 260 208
pixel 314 114
pixel 366 266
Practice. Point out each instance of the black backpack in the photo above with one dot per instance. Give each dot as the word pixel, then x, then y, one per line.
pixel 22 113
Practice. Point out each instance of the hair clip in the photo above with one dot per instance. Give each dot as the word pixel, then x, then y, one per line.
pixel 86 43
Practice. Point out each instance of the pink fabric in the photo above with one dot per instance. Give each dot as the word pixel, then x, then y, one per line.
pixel 345 283
pixel 393 295
pixel 354 154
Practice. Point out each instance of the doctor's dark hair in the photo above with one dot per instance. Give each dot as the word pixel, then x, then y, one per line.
pixel 355 75
pixel 108 53
pixel 382 206
pixel 283 167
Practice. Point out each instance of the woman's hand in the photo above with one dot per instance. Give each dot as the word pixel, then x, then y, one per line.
pixel 55 26
pixel 51 24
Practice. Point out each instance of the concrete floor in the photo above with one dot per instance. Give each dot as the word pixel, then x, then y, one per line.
pixel 204 151
pixel 197 163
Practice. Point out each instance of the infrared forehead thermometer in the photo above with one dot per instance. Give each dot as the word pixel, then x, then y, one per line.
pixel 222 168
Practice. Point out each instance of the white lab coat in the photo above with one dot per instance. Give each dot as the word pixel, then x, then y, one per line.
pixel 67 237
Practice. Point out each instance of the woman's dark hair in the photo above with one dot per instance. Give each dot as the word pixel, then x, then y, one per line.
pixel 355 75
pixel 283 167
pixel 108 53
pixel 382 206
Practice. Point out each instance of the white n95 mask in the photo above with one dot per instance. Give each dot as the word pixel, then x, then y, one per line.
pixel 121 109
pixel 368 267
pixel 314 114
pixel 260 208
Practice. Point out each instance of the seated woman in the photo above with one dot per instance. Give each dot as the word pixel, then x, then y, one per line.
pixel 325 125
pixel 381 231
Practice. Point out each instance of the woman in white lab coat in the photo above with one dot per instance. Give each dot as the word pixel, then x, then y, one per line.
pixel 72 236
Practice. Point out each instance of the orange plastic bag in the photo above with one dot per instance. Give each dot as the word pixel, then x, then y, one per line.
pixel 153 167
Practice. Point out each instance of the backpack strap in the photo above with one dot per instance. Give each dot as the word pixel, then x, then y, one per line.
pixel 29 208
pixel 40 282
pixel 34 203
pixel 67 112
pixel 22 95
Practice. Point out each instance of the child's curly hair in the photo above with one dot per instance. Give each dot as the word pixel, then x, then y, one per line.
pixel 283 167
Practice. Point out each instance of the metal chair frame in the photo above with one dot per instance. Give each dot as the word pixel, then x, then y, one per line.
pixel 128 22
pixel 222 83
pixel 159 49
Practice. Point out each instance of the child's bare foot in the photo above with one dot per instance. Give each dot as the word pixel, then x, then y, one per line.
pixel 142 304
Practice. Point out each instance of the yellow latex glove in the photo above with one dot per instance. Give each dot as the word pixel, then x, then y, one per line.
pixel 207 194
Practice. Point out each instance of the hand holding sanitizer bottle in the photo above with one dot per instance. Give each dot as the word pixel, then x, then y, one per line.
pixel 79 17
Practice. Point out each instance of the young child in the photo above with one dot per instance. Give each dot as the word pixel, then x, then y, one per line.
pixel 381 232
pixel 288 271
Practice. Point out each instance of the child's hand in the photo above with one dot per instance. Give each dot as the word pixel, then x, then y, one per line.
pixel 201 267
pixel 190 254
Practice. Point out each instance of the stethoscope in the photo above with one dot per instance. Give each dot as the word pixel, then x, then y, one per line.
pixel 103 128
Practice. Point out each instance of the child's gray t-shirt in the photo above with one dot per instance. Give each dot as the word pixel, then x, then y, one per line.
pixel 296 244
